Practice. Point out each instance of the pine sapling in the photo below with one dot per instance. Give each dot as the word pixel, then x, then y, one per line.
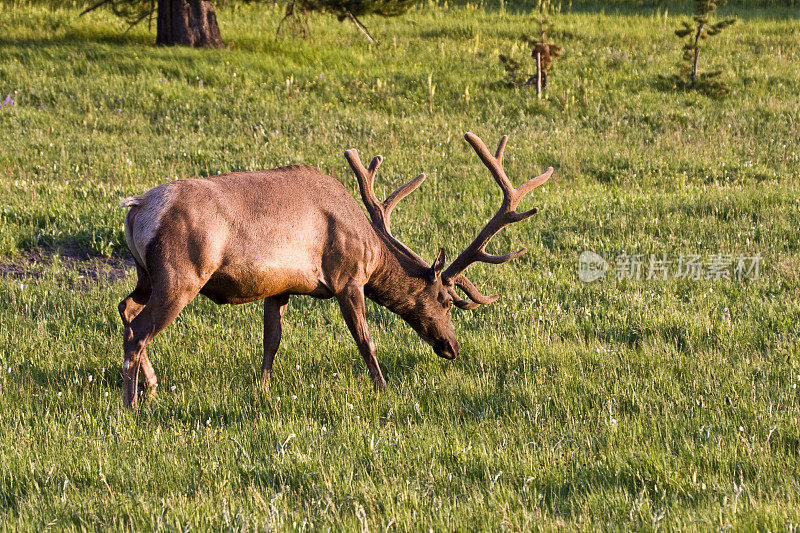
pixel 695 33
pixel 542 52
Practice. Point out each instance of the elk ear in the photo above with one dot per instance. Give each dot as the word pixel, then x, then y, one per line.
pixel 438 266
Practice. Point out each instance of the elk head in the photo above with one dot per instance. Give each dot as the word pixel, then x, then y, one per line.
pixel 423 294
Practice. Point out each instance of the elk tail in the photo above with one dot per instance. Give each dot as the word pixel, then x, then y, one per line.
pixel 130 201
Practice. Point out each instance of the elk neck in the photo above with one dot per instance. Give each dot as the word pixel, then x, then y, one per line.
pixel 399 274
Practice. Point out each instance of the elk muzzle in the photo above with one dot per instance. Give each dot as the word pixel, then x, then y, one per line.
pixel 446 348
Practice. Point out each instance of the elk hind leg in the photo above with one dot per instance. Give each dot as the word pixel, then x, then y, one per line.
pixel 129 308
pixel 157 315
pixel 274 308
pixel 133 304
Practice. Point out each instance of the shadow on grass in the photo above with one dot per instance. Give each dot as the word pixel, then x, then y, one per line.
pixel 741 8
pixel 708 84
pixel 116 39
pixel 57 379
pixel 92 266
pixel 82 37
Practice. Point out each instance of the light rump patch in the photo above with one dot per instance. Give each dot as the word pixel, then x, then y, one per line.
pixel 146 219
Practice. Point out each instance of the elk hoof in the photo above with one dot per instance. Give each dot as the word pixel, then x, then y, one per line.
pixel 129 401
pixel 147 390
pixel 150 391
pixel 265 382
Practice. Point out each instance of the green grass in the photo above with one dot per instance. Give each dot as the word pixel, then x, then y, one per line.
pixel 635 404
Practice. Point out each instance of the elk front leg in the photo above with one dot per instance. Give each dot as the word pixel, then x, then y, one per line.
pixel 351 302
pixel 274 308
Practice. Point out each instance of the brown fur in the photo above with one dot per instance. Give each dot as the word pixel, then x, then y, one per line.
pixel 268 235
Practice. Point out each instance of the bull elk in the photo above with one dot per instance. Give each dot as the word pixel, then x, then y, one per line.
pixel 249 236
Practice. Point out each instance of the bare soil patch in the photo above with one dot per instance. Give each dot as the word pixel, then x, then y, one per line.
pixel 85 267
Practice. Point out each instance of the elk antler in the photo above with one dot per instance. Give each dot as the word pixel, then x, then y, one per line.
pixel 378 211
pixel 506 215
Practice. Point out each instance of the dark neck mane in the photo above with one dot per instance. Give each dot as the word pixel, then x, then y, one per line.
pixel 401 272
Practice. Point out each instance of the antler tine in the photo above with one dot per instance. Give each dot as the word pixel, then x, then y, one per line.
pixel 460 302
pixel 366 180
pixel 399 194
pixel 501 147
pixel 379 212
pixel 506 215
pixel 472 291
pixel 531 184
pixel 493 163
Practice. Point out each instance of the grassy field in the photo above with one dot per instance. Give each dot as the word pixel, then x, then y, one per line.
pixel 631 404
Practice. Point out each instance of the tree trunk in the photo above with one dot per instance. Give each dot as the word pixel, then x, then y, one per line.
pixel 538 75
pixel 696 52
pixel 187 22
